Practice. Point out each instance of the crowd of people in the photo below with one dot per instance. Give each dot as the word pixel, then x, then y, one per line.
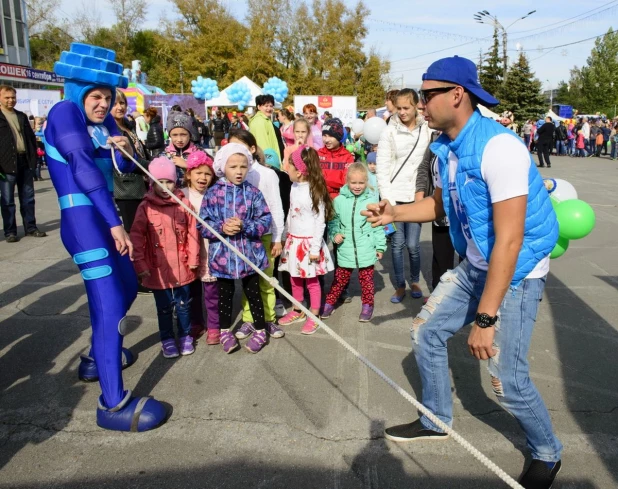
pixel 582 137
pixel 313 178
pixel 280 187
pixel 282 210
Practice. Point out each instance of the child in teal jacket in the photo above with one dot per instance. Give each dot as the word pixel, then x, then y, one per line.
pixel 359 245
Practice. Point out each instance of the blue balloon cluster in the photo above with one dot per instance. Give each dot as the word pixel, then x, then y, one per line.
pixel 239 93
pixel 204 88
pixel 277 88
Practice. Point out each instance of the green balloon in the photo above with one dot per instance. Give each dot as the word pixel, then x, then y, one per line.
pixel 576 218
pixel 350 148
pixel 560 249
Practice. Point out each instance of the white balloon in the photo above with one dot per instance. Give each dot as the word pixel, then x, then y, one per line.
pixel 560 190
pixel 357 126
pixel 373 128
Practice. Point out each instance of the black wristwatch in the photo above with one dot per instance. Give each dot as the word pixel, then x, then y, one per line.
pixel 484 320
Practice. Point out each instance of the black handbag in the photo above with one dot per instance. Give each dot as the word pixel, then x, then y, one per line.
pixel 129 186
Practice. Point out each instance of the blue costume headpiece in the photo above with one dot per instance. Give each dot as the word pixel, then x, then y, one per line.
pixel 86 67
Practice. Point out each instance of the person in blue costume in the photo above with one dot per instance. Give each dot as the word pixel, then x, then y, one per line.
pixel 78 146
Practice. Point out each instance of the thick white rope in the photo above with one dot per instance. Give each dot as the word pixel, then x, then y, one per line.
pixel 275 283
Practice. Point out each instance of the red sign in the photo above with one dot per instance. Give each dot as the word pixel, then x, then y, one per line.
pixel 325 101
pixel 13 70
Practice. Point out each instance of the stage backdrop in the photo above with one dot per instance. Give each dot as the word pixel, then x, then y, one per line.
pixel 342 107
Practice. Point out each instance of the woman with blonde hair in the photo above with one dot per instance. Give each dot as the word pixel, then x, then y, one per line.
pixel 401 149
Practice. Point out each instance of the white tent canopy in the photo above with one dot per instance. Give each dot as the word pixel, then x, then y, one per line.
pixel 223 101
pixel 554 117
pixel 488 113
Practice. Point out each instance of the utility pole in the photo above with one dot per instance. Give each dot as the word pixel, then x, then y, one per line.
pixel 484 17
pixel 505 58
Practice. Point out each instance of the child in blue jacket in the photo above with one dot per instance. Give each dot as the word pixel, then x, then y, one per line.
pixel 237 210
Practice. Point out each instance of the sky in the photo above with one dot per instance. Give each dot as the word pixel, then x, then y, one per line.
pixel 410 33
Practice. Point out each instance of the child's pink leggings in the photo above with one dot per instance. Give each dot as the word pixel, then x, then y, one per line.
pixel 313 285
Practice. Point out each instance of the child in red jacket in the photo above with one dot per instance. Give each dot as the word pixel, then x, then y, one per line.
pixel 334 158
pixel 166 256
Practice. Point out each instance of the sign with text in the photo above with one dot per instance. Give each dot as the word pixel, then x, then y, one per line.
pixel 25 73
pixel 36 102
pixel 339 106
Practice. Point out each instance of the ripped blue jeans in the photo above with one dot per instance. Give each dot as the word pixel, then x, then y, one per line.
pixel 452 305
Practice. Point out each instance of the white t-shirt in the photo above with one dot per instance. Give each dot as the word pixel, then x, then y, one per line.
pixel 504 167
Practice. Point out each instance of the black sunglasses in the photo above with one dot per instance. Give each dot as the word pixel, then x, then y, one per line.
pixel 427 95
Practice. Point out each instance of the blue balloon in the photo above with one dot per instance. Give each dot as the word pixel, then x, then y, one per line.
pixel 277 88
pixel 204 88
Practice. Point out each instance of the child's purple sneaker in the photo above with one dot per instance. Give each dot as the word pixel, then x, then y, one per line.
pixel 245 331
pixel 274 331
pixel 327 311
pixel 186 345
pixel 257 341
pixel 228 341
pixel 169 348
pixel 366 313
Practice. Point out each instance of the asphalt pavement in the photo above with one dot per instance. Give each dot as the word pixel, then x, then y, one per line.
pixel 303 413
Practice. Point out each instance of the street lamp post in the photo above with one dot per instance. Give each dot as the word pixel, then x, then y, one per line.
pixel 484 17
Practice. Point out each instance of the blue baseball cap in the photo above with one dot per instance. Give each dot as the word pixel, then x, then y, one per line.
pixel 460 71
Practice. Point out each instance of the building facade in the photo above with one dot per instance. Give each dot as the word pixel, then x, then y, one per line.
pixel 15 62
pixel 15 48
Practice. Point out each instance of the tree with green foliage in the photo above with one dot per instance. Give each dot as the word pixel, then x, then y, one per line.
pixel 316 49
pixel 491 70
pixel 258 61
pixel 521 94
pixel 46 46
pixel 370 87
pixel 600 76
pixel 129 15
pixel 594 87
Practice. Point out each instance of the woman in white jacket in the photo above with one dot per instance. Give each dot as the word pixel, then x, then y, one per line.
pixel 400 152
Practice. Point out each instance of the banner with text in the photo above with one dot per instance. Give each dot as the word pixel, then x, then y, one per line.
pixel 36 102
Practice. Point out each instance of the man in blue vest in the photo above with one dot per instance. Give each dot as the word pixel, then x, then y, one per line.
pixel 503 223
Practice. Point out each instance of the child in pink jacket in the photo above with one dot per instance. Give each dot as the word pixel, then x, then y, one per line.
pixel 166 256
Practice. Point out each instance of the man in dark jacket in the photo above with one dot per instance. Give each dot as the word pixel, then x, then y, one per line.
pixel 17 164
pixel 545 141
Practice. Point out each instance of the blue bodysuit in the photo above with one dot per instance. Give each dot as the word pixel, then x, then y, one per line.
pixel 83 177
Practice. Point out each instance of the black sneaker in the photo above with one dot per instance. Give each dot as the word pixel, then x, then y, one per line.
pixel 539 476
pixel 414 431
pixel 141 290
pixel 11 238
pixel 36 234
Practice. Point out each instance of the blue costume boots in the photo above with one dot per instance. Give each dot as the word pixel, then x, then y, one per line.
pixel 133 414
